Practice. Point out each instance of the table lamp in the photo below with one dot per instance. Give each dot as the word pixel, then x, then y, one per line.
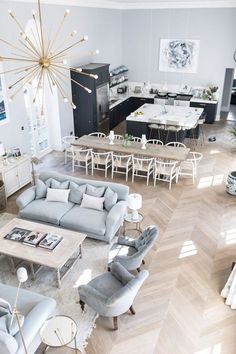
pixel 22 276
pixel 134 203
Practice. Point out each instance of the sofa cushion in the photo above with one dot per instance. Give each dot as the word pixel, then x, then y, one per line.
pixel 57 195
pixel 42 210
pixel 59 185
pixel 110 199
pixel 76 192
pixel 95 191
pixel 91 202
pixel 41 188
pixel 85 220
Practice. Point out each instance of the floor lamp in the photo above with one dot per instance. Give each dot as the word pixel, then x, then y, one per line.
pixel 22 276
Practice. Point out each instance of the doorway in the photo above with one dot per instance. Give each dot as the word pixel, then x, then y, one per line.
pixel 228 107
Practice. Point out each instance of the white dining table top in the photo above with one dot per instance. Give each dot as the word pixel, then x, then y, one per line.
pixel 185 117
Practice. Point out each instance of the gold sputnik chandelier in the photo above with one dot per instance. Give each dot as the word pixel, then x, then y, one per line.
pixel 43 60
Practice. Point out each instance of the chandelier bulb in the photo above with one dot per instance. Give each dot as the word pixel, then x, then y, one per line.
pixel 85 38
pixel 79 70
pixel 88 90
pixel 9 11
pixel 10 99
pixel 64 61
pixel 73 106
pixel 73 33
pixel 96 51
pixel 67 12
pixel 65 99
pixel 95 77
pixel 33 13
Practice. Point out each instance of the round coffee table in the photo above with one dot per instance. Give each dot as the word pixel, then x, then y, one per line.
pixel 137 222
pixel 59 331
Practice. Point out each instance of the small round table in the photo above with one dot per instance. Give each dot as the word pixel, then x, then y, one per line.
pixel 59 331
pixel 137 222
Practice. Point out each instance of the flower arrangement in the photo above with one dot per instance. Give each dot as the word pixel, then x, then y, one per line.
pixel 210 93
pixel 127 139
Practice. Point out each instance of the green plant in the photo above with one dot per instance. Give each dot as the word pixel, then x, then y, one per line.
pixel 233 133
pixel 209 93
pixel 128 137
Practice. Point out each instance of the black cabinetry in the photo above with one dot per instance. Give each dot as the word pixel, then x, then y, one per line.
pixel 209 108
pixel 92 109
pixel 123 109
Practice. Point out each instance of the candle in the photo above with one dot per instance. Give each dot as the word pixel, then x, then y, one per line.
pixel 111 133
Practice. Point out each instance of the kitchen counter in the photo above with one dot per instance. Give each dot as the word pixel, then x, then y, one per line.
pixel 186 117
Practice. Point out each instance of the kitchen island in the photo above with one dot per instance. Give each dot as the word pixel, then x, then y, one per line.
pixel 185 117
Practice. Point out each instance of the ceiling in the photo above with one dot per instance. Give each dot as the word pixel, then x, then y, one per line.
pixel 139 4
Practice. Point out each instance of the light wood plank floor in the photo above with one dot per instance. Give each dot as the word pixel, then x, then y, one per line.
pixel 179 309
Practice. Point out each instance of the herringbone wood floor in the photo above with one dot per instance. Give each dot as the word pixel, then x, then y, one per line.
pixel 179 309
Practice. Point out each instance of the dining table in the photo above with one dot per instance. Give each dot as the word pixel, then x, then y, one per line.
pixel 134 148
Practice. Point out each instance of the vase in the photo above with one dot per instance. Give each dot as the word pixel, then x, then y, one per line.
pixel 231 183
pixel 127 143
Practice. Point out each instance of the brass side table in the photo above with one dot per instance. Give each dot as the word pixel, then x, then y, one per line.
pixel 59 331
pixel 137 222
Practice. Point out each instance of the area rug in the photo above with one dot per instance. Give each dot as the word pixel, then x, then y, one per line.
pixel 93 263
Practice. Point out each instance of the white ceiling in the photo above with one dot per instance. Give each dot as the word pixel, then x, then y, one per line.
pixel 139 4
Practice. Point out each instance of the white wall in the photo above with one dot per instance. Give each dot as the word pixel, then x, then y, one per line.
pixel 103 26
pixel 215 28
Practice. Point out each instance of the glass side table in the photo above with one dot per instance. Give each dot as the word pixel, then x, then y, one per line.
pixel 137 222
pixel 59 331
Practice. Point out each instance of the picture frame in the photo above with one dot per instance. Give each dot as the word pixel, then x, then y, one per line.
pixel 4 110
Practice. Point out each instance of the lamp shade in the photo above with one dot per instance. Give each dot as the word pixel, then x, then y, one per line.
pixel 2 151
pixel 135 201
pixel 22 275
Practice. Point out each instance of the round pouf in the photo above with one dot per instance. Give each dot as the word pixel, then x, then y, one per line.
pixel 231 183
pixel 3 199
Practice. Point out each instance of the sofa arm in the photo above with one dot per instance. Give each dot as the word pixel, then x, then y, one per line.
pixel 8 344
pixel 92 297
pixel 115 218
pixel 26 197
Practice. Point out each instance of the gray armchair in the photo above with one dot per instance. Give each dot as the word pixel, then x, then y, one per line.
pixel 131 252
pixel 112 294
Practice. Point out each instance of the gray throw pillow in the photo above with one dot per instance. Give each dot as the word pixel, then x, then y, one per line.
pixel 59 185
pixel 110 198
pixel 95 191
pixel 41 188
pixel 6 326
pixel 76 192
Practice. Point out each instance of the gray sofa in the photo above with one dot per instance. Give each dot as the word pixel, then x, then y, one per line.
pixel 101 225
pixel 36 309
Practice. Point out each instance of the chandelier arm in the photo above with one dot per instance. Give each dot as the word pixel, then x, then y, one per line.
pixel 41 27
pixel 70 36
pixel 38 32
pixel 38 85
pixel 75 70
pixel 23 32
pixel 21 79
pixel 67 48
pixel 33 53
pixel 15 47
pixel 63 94
pixel 17 59
pixel 63 76
pixel 18 70
pixel 49 81
pixel 84 54
pixel 58 31
pixel 25 83
pixel 43 93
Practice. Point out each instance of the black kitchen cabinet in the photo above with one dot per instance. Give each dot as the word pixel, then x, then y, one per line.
pixel 137 102
pixel 92 109
pixel 209 108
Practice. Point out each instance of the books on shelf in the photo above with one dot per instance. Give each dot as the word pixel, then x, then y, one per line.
pixel 34 238
pixel 50 241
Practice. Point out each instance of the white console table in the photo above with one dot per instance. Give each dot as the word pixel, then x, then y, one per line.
pixel 16 174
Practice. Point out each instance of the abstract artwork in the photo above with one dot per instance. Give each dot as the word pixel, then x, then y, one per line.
pixel 179 55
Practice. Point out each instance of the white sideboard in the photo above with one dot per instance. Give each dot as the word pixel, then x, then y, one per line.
pixel 16 174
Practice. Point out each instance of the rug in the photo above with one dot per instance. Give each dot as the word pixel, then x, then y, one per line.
pixel 93 263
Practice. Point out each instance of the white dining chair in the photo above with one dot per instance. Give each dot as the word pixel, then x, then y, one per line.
pixel 136 139
pixel 98 134
pixel 66 143
pixel 176 144
pixel 142 167
pixel 81 158
pixel 118 137
pixel 154 142
pixel 189 166
pixel 121 164
pixel 101 161
pixel 166 171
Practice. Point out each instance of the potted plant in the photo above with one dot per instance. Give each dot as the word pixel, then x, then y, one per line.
pixel 210 93
pixel 127 139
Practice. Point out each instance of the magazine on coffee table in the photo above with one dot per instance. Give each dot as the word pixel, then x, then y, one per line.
pixel 17 234
pixel 50 241
pixel 34 238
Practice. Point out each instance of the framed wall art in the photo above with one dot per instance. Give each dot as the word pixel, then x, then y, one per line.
pixel 179 55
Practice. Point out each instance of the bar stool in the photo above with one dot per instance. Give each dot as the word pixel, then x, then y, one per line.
pixel 172 127
pixel 156 126
pixel 201 121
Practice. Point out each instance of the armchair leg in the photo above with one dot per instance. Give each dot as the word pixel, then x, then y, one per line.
pixel 82 304
pixel 143 261
pixel 138 269
pixel 132 310
pixel 115 322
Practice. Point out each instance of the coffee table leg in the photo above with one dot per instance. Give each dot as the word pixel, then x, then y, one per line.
pixel 13 268
pixel 75 345
pixel 46 349
pixel 32 271
pixel 58 278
